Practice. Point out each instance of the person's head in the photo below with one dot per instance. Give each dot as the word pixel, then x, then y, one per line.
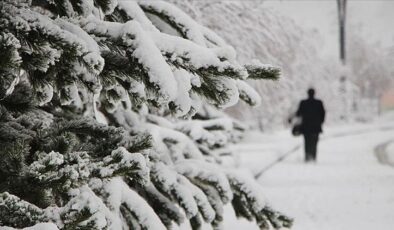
pixel 311 93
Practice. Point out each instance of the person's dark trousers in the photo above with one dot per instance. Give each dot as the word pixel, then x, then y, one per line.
pixel 310 141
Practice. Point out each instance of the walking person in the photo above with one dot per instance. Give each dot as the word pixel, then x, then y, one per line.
pixel 312 114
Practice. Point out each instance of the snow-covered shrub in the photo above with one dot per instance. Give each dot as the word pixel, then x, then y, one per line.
pixel 108 118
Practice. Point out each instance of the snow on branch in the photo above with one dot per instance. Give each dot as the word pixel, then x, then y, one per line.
pixel 123 200
pixel 256 70
pixel 186 26
pixel 141 47
pixel 197 58
pixel 167 181
pixel 249 203
pixel 248 94
pixel 208 173
pixel 132 11
pixel 17 212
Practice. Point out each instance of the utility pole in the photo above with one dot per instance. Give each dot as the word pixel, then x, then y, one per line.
pixel 342 23
pixel 342 55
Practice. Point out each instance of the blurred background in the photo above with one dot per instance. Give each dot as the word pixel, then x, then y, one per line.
pixel 350 186
pixel 302 37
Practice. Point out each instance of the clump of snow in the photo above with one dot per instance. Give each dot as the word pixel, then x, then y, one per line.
pixel 182 147
pixel 86 200
pixel 120 194
pixel 182 100
pixel 12 85
pixel 168 181
pixel 248 94
pixel 188 26
pixel 51 159
pixel 246 186
pixel 201 200
pixel 210 173
pixel 45 93
pixel 134 11
pixel 120 159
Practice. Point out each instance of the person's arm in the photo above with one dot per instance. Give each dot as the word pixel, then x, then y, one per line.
pixel 323 112
pixel 300 110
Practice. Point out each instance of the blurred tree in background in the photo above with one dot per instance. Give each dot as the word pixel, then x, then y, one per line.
pixel 256 31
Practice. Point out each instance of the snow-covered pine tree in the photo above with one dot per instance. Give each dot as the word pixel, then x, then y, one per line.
pixel 105 123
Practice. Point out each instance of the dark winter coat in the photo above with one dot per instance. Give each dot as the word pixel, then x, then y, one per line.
pixel 312 114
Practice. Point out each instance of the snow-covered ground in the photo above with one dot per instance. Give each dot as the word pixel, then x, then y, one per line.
pixel 347 189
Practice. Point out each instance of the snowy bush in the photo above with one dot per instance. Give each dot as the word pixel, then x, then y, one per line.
pixel 109 118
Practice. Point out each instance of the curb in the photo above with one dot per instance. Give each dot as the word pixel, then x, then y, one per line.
pixel 278 160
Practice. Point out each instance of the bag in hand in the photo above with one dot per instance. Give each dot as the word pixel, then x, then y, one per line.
pixel 296 128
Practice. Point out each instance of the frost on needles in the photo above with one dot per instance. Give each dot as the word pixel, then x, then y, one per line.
pixel 109 118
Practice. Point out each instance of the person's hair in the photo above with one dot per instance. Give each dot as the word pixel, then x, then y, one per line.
pixel 311 92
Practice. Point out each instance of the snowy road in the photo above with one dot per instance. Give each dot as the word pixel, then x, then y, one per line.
pixel 348 189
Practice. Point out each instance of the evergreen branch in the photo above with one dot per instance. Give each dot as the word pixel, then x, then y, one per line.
pixel 263 72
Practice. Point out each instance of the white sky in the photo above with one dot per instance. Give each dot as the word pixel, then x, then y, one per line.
pixel 376 17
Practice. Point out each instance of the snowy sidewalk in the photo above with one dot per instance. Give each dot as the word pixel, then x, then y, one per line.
pixel 261 151
pixel 348 189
